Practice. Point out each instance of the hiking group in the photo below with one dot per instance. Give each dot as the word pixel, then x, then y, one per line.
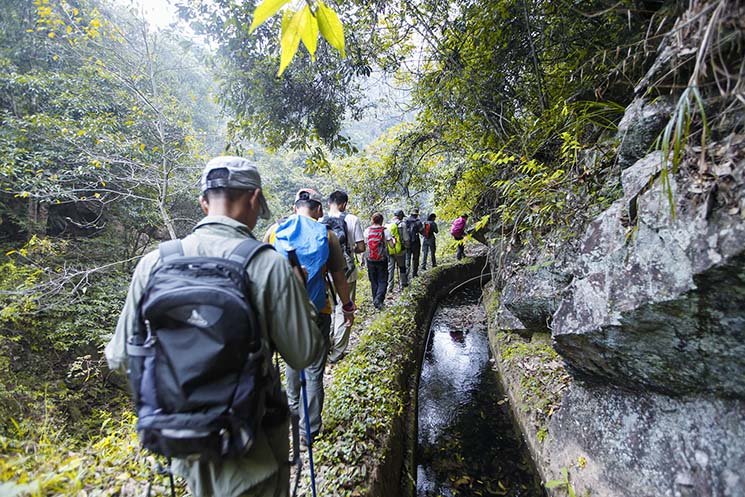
pixel 205 315
pixel 395 248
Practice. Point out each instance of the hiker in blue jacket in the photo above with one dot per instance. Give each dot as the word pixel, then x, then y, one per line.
pixel 319 251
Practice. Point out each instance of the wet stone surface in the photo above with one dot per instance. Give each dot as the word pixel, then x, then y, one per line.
pixel 466 442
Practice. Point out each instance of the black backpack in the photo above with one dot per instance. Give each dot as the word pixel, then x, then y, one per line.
pixel 339 227
pixel 413 226
pixel 201 378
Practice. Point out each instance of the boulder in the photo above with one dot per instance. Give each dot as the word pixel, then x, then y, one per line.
pixel 658 298
pixel 639 128
pixel 533 293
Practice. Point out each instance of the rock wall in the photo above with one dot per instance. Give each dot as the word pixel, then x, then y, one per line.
pixel 617 442
pixel 646 396
pixel 659 300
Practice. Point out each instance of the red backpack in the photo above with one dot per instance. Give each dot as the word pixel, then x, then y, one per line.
pixel 376 249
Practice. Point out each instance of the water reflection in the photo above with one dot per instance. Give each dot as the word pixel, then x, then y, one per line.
pixel 466 443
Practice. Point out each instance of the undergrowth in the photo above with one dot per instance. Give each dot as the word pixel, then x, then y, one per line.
pixel 41 459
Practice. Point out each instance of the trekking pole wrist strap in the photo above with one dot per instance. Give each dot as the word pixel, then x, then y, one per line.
pixel 348 307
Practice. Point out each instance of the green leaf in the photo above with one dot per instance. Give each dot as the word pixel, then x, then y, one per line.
pixel 292 31
pixel 309 36
pixel 264 11
pixel 554 483
pixel 331 27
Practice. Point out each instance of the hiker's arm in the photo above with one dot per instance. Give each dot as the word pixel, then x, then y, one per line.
pixel 129 323
pixel 290 316
pixel 336 266
pixel 342 291
pixel 358 237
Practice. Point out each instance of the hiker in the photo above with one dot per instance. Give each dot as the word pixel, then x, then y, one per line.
pixel 413 228
pixel 379 242
pixel 429 230
pixel 232 200
pixel 397 259
pixel 349 231
pixel 458 231
pixel 320 253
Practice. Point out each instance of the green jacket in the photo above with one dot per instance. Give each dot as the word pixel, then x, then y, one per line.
pixel 287 322
pixel 393 228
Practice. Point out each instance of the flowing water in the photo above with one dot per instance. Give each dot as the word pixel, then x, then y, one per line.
pixel 467 445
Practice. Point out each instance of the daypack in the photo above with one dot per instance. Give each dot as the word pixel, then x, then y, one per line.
pixel 397 245
pixel 427 229
pixel 339 226
pixel 412 228
pixel 458 228
pixel 376 244
pixel 403 232
pixel 310 240
pixel 199 372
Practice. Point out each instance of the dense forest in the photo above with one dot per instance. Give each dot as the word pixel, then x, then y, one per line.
pixel 508 110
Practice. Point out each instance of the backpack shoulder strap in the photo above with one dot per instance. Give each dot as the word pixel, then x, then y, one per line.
pixel 246 250
pixel 170 249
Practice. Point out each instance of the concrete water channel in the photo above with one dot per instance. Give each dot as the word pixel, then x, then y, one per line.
pixel 467 444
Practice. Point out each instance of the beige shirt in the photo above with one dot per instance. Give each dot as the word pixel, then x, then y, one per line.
pixel 287 321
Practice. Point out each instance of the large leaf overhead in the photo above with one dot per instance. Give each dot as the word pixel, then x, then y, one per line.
pixel 264 11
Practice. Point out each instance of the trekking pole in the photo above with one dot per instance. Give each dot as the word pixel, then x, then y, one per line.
pixel 304 391
pixel 295 263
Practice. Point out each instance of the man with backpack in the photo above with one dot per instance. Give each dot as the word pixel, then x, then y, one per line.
pixel 197 333
pixel 397 259
pixel 458 231
pixel 429 230
pixel 349 231
pixel 379 242
pixel 319 252
pixel 413 228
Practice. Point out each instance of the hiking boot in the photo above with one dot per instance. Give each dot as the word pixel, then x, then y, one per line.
pixel 304 440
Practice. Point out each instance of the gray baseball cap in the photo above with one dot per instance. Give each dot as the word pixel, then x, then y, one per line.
pixel 241 175
pixel 309 194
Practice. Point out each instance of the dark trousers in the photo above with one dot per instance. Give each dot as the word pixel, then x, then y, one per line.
pixel 412 260
pixel 460 249
pixel 428 246
pixel 377 272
